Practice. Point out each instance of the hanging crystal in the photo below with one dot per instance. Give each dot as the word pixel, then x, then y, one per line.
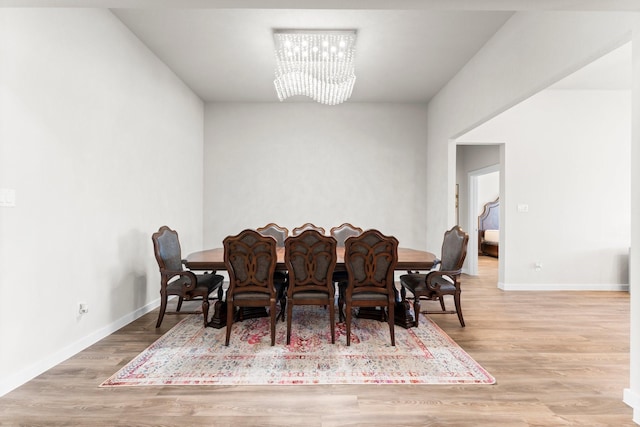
pixel 317 64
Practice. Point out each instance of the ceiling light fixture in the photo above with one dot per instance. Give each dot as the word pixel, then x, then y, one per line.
pixel 315 63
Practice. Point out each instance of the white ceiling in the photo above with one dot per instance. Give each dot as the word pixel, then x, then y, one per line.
pixel 406 51
pixel 227 55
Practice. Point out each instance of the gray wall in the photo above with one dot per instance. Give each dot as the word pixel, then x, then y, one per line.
pixel 304 162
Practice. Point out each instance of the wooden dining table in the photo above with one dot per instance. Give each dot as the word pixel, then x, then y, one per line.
pixel 408 260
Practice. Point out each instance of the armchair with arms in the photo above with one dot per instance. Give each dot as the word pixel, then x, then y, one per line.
pixel 176 280
pixel 445 281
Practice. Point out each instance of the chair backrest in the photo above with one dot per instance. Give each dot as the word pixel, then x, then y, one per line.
pixel 250 259
pixel 166 247
pixel 454 249
pixel 344 231
pixel 310 258
pixel 371 259
pixel 277 232
pixel 307 226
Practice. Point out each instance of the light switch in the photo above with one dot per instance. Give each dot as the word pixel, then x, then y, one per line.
pixel 523 207
pixel 7 197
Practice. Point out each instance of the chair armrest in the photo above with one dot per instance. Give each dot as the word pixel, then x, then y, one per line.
pixel 435 264
pixel 190 283
pixel 451 276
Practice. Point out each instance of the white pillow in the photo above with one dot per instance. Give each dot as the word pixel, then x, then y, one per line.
pixel 492 236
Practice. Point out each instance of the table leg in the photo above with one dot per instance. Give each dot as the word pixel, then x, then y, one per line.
pixel 219 317
pixel 402 315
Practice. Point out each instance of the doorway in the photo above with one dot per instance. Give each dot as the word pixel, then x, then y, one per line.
pixel 484 187
pixel 478 181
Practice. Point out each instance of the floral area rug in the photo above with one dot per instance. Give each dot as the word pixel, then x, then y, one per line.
pixel 190 354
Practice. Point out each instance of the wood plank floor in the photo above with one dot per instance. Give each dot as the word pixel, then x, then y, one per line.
pixel 560 358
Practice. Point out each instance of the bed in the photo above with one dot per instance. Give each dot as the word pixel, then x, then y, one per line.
pixel 489 229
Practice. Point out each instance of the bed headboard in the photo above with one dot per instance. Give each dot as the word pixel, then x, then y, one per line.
pixel 490 217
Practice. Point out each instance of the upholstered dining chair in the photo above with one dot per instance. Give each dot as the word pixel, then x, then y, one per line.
pixel 280 278
pixel 370 259
pixel 344 231
pixel 307 226
pixel 277 232
pixel 341 233
pixel 250 259
pixel 176 280
pixel 438 283
pixel 311 259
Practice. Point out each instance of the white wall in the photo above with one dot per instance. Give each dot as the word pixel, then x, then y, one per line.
pixel 293 163
pixel 567 158
pixel 102 144
pixel 488 190
pixel 632 394
pixel 530 52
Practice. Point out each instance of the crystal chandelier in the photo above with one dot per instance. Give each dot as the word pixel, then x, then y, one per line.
pixel 315 63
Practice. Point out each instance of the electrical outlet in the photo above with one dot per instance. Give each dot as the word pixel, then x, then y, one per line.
pixel 83 308
pixel 537 266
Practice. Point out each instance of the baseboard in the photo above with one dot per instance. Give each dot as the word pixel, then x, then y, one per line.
pixel 563 287
pixel 632 398
pixel 27 374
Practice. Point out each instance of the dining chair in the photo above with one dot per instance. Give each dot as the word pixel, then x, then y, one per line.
pixel 250 259
pixel 277 232
pixel 444 281
pixel 178 281
pixel 341 233
pixel 311 258
pixel 280 278
pixel 370 259
pixel 307 226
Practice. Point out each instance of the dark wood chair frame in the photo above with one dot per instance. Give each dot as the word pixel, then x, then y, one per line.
pixel 341 278
pixel 178 281
pixel 277 232
pixel 280 278
pixel 370 259
pixel 251 259
pixel 344 231
pixel 438 283
pixel 307 226
pixel 311 259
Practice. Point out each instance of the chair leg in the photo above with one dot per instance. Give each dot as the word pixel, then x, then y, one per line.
pixel 416 309
pixel 441 298
pixel 163 308
pixel 229 321
pixel 205 310
pixel 348 324
pixel 272 314
pixel 281 295
pixel 180 299
pixel 392 330
pixel 332 321
pixel 456 299
pixel 283 307
pixel 289 316
pixel 341 290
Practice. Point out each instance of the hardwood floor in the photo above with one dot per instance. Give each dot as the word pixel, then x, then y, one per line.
pixel 560 358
